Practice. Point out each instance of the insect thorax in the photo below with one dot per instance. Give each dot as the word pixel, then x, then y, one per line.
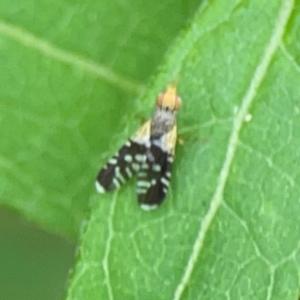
pixel 162 122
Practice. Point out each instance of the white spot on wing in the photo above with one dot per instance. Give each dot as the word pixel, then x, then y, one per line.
pixel 142 174
pixel 135 167
pixel 170 159
pixel 148 207
pixel 128 158
pixel 164 181
pixel 112 161
pixel 140 157
pixel 127 170
pixel 99 187
pixel 145 184
pixel 119 175
pixel 156 168
pixel 116 183
pixel 145 166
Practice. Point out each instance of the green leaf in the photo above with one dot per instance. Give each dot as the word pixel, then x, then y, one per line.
pixel 69 73
pixel 230 226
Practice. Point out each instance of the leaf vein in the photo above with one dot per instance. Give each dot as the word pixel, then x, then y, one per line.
pixel 105 263
pixel 184 45
pixel 258 77
pixel 49 50
pixel 290 57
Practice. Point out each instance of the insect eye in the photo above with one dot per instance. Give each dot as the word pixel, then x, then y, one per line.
pixel 160 99
pixel 169 100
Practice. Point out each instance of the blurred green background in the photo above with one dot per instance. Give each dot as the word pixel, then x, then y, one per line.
pixel 34 263
pixel 70 73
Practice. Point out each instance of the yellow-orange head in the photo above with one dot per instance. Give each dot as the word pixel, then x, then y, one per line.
pixel 169 99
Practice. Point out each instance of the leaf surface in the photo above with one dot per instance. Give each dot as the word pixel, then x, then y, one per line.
pixel 69 74
pixel 230 226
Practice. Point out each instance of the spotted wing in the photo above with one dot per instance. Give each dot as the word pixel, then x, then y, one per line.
pixel 153 178
pixel 155 173
pixel 120 167
pixel 125 163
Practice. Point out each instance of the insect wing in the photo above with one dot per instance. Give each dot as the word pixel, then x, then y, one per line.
pixel 119 168
pixel 125 163
pixel 153 178
pixel 155 174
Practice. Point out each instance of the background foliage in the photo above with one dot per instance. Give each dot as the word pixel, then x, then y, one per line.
pixel 69 75
pixel 73 79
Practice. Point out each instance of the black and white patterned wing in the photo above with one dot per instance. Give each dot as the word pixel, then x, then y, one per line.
pixel 154 177
pixel 119 168
pixel 125 163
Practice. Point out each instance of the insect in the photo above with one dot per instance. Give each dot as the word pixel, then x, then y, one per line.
pixel 149 154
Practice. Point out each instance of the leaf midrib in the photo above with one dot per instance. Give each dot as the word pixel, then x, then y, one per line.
pixel 238 121
pixel 49 50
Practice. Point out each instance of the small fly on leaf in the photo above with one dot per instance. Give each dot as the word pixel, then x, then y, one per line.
pixel 149 153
